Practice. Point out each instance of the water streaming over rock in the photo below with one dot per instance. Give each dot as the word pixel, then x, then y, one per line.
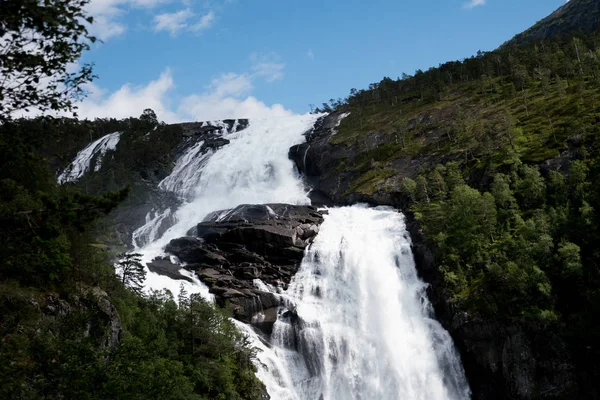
pixel 92 154
pixel 358 324
pixel 355 322
pixel 253 168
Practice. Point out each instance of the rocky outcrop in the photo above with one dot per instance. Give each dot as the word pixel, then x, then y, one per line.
pixel 104 322
pixel 332 169
pixel 318 160
pixel 232 248
pixel 190 129
pixel 164 266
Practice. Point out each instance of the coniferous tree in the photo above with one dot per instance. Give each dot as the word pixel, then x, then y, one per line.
pixel 132 271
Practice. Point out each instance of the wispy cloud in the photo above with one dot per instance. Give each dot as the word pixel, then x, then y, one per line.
pixel 108 15
pixel 474 3
pixel 205 22
pixel 179 21
pixel 310 54
pixel 173 22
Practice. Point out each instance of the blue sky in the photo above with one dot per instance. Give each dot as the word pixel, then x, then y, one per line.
pixel 213 59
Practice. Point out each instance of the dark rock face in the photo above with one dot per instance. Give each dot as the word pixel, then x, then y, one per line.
pixel 233 247
pixel 201 128
pixel 104 323
pixel 501 361
pixel 317 158
pixel 214 142
pixel 164 266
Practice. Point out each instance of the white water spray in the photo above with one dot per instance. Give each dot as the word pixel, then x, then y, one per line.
pixel 361 326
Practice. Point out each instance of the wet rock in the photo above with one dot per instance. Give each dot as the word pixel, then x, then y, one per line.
pixel 264 320
pixel 234 247
pixel 519 366
pixel 214 142
pixel 164 266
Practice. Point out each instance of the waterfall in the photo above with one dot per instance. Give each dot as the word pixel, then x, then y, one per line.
pixel 358 324
pixel 252 169
pixel 93 153
pixel 355 322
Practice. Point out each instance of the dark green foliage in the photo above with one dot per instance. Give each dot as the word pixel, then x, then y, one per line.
pixel 190 351
pixel 53 333
pixel 40 41
pixel 37 218
pixel 522 248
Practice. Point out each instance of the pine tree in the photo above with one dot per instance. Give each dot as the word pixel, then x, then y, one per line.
pixel 132 271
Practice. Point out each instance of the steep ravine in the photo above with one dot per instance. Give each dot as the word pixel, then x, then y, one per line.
pixel 502 361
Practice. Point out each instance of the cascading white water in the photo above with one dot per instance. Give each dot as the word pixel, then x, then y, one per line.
pixel 93 152
pixel 253 168
pixel 361 325
pixel 357 323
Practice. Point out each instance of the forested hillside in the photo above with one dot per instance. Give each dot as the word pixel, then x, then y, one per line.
pixel 70 327
pixel 497 157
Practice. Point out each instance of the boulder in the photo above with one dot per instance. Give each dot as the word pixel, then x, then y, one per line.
pixel 234 247
pixel 164 266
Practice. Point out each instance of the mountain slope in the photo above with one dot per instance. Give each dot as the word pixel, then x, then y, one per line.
pixel 575 16
pixel 497 159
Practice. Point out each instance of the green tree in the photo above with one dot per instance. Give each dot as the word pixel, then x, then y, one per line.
pixel 530 187
pixel 569 259
pixel 454 176
pixel 133 273
pixel 408 187
pixel 422 192
pixel 149 117
pixel 40 40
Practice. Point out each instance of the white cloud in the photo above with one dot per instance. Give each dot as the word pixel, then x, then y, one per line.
pixel 108 17
pixel 270 71
pixel 178 21
pixel 310 54
pixel 108 13
pixel 474 3
pixel 205 22
pixel 130 100
pixel 227 96
pixel 173 22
